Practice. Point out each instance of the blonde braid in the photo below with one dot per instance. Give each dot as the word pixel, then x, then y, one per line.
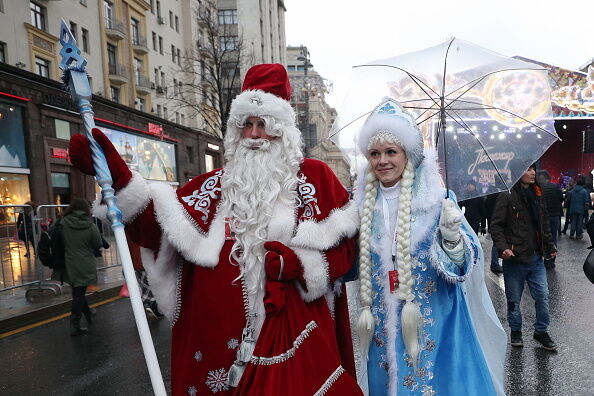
pixel 410 317
pixel 366 323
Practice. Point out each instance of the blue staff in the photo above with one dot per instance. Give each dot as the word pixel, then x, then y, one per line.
pixel 76 81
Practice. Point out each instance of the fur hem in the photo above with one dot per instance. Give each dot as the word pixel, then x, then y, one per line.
pixel 131 200
pixel 342 222
pixel 162 277
pixel 315 273
pixel 257 103
pixel 182 232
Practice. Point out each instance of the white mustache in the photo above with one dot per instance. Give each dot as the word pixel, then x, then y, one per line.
pixel 255 144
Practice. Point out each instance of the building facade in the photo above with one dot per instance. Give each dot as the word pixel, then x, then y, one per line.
pixel 314 116
pixel 37 119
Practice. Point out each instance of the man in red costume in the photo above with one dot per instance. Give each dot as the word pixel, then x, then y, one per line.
pixel 226 253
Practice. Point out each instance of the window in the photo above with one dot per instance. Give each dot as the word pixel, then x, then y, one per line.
pixel 140 103
pixel 209 162
pixel 62 129
pixel 90 82
pixel 137 69
pixel 74 30
pixel 37 16
pixel 172 53
pixel 183 122
pixel 85 40
pixel 190 152
pixel 177 23
pixel 108 6
pixel 227 17
pixel 153 7
pixel 202 70
pixel 155 41
pixel 178 57
pixel 164 112
pixel 115 94
pixel 171 19
pixel 177 117
pixel 161 45
pixel 163 82
pixel 230 70
pixel 158 110
pixel 112 58
pixel 158 8
pixel 42 67
pixel 3 57
pixel 228 43
pixel 175 91
pixel 156 76
pixel 135 29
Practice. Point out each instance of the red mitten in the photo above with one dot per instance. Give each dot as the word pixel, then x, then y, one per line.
pixel 281 262
pixel 80 156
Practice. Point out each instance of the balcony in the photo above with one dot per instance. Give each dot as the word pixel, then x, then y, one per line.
pixel 114 29
pixel 143 84
pixel 118 74
pixel 139 45
pixel 204 15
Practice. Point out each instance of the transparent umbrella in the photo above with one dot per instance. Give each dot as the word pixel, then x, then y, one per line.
pixel 489 116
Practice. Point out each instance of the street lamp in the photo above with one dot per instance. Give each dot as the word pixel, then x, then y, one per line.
pixel 305 128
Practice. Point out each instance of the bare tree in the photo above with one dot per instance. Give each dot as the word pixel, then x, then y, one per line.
pixel 207 78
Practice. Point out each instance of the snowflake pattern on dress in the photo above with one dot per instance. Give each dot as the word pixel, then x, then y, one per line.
pixel 198 356
pixel 192 391
pixel 233 343
pixel 217 380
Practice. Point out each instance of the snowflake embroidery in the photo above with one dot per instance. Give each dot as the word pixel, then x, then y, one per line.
pixel 232 343
pixel 217 380
pixel 428 390
pixel 421 372
pixel 429 288
pixel 409 382
pixel 192 391
pixel 430 345
pixel 198 356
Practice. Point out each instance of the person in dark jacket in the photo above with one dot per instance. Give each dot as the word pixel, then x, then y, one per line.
pixel 81 238
pixel 489 207
pixel 579 204
pixel 25 226
pixel 553 198
pixel 520 229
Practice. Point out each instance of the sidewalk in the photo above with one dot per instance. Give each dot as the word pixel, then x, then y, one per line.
pixel 26 305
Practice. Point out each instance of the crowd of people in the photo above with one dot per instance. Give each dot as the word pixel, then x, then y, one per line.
pixel 249 262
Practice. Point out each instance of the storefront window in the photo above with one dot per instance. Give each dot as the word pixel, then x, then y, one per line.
pixel 14 190
pixel 12 138
pixel 62 129
pixel 61 188
pixel 209 162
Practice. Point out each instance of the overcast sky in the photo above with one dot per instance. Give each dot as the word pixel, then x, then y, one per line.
pixel 340 34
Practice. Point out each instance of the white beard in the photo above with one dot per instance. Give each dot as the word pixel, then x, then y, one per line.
pixel 253 181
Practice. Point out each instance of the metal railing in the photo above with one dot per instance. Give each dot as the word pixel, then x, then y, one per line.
pixel 117 69
pixel 114 24
pixel 21 270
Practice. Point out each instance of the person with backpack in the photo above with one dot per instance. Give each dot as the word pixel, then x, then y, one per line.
pixel 580 203
pixel 25 226
pixel 80 238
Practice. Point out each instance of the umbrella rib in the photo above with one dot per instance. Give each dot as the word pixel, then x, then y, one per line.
pixel 412 77
pixel 356 119
pixel 490 107
pixel 427 118
pixel 488 74
pixel 464 125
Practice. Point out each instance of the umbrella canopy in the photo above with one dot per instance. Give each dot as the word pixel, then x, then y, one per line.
pixel 488 115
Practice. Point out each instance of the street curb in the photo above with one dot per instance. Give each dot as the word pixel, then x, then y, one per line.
pixel 16 322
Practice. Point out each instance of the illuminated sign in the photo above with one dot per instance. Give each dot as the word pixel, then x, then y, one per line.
pixel 58 152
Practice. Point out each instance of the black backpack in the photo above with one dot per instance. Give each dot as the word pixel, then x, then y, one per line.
pixel 50 248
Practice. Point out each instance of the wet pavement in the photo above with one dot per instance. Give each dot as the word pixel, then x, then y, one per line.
pixel 109 360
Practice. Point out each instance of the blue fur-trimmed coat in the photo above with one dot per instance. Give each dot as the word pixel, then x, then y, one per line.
pixel 462 341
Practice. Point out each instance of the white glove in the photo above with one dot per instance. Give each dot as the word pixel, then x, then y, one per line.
pixel 450 220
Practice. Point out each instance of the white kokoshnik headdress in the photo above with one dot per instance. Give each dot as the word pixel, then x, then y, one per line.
pixel 390 122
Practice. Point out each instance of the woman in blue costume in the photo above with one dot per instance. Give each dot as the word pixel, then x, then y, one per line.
pixel 427 324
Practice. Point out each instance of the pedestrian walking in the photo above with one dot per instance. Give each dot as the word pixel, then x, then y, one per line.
pixel 80 238
pixel 490 205
pixel 579 205
pixel 425 305
pixel 520 229
pixel 25 226
pixel 553 198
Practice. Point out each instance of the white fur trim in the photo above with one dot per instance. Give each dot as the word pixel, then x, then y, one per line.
pixel 181 230
pixel 282 223
pixel 131 200
pixel 342 222
pixel 257 103
pixel 315 273
pixel 162 277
